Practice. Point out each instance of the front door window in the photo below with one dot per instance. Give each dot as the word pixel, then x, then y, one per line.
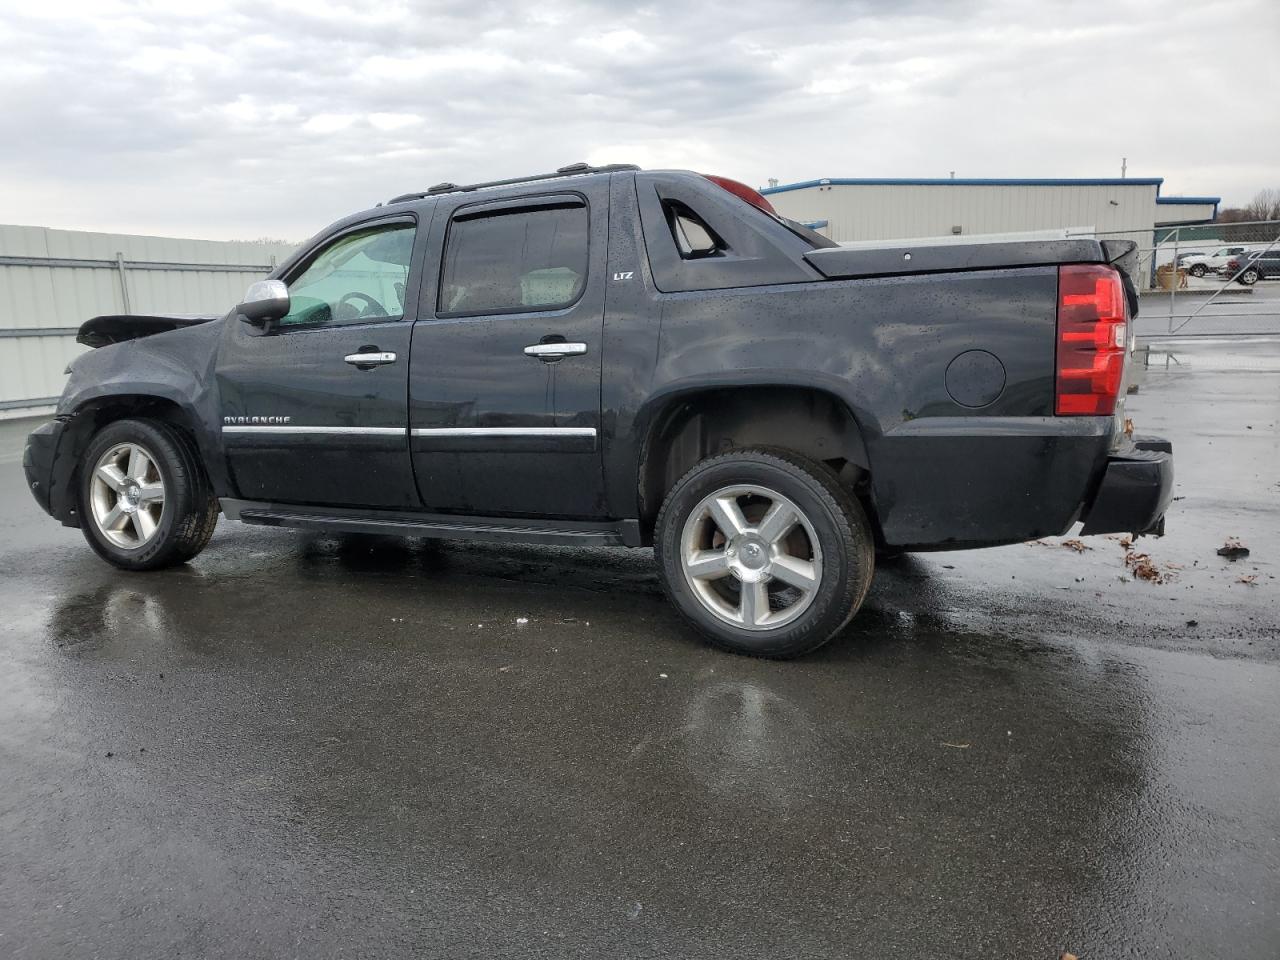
pixel 359 278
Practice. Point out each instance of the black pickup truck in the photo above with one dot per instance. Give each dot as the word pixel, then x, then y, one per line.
pixel 610 356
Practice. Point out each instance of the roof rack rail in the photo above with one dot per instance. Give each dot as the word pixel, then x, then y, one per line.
pixel 572 170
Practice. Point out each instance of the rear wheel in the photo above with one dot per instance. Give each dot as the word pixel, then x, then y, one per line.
pixel 764 553
pixel 145 501
pixel 1249 277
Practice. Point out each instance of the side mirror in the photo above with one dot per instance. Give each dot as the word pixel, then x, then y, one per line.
pixel 265 300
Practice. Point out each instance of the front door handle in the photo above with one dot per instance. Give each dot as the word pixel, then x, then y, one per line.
pixel 367 361
pixel 547 352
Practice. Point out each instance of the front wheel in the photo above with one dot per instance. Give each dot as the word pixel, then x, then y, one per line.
pixel 1199 270
pixel 145 501
pixel 1249 277
pixel 764 553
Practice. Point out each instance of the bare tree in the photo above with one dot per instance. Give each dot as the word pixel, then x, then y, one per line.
pixel 1265 205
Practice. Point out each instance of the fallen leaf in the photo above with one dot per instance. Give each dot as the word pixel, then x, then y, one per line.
pixel 956 746
pixel 1144 568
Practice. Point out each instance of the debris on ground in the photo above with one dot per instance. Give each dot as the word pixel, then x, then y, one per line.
pixel 1079 546
pixel 956 746
pixel 1251 579
pixel 1142 566
pixel 1193 623
pixel 522 620
pixel 1233 549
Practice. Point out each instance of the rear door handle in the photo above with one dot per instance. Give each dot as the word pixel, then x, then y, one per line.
pixel 546 352
pixel 369 360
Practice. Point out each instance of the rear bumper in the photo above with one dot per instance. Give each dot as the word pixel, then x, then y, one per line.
pixel 1135 491
pixel 954 483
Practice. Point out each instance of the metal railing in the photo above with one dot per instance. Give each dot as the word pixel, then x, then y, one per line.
pixel 122 267
pixel 1258 236
pixel 41 295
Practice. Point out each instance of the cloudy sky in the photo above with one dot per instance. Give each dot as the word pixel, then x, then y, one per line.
pixel 253 119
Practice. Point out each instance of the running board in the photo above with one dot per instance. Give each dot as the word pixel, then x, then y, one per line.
pixel 605 533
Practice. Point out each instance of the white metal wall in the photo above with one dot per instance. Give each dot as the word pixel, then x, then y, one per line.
pixel 52 300
pixel 890 211
pixel 900 211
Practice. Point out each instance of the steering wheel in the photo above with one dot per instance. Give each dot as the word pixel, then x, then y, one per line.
pixel 371 308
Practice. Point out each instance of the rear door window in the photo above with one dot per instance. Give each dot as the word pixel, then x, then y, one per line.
pixel 515 259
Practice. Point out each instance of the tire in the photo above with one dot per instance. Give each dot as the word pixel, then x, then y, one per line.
pixel 829 545
pixel 1199 270
pixel 1249 277
pixel 168 484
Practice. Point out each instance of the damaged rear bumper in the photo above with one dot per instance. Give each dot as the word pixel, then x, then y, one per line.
pixel 1135 491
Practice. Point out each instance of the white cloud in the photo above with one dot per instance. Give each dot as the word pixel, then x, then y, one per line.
pixel 620 41
pixel 290 115
pixel 329 122
pixel 394 121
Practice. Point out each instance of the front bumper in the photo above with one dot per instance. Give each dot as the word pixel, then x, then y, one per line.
pixel 37 461
pixel 1135 491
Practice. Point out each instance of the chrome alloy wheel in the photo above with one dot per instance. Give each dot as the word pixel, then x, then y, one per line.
pixel 751 557
pixel 127 495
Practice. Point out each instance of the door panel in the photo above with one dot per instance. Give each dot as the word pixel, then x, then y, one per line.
pixel 344 440
pixel 303 424
pixel 496 429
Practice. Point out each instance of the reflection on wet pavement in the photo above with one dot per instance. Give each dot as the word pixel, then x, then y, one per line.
pixel 302 746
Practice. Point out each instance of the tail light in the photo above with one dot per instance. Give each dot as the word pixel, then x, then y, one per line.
pixel 1092 340
pixel 742 191
pixel 1233 264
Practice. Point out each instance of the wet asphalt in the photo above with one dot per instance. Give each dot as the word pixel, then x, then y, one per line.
pixel 307 747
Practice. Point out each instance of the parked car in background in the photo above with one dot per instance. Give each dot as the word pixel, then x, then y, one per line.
pixel 1253 266
pixel 1201 264
pixel 609 356
pixel 1184 257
